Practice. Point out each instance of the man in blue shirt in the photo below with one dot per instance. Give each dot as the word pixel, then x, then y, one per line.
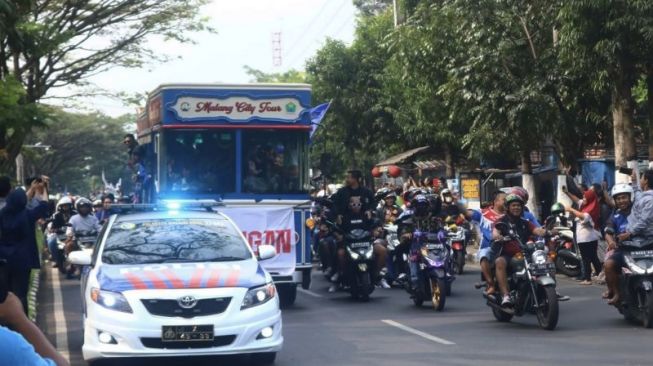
pixel 617 224
pixel 24 344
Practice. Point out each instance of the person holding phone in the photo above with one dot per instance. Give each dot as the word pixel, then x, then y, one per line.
pixel 21 341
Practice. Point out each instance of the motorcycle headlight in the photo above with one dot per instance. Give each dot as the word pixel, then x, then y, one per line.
pixel 633 266
pixel 539 257
pixel 369 253
pixel 353 254
pixel 258 296
pixel 110 300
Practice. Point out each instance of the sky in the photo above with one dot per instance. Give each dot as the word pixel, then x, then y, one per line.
pixel 245 29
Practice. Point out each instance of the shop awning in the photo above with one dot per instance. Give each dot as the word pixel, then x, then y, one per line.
pixel 401 158
pixel 430 164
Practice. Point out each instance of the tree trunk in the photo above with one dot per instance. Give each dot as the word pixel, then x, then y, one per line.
pixel 528 182
pixel 649 84
pixel 622 119
pixel 448 159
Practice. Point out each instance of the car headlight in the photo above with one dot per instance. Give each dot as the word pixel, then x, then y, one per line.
pixel 634 266
pixel 258 295
pixel 110 300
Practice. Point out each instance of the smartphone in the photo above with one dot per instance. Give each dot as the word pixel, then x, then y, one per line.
pixel 625 170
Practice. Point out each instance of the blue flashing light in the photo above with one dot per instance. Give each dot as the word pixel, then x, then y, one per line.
pixel 173 206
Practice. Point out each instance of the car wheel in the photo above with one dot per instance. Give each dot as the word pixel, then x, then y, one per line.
pixel 267 358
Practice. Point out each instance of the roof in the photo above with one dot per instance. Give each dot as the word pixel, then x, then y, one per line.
pixel 401 158
pixel 430 164
pixel 252 86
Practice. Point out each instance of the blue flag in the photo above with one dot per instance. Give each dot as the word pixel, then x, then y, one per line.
pixel 317 115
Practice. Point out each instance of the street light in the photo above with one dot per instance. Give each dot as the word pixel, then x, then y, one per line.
pixel 20 161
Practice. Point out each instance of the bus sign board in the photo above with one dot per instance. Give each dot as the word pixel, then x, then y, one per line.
pixel 237 108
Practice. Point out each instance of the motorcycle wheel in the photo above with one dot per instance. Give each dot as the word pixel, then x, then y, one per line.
pixel 647 310
pixel 459 263
pixel 561 267
pixel 547 313
pixel 500 316
pixel 366 287
pixel 438 293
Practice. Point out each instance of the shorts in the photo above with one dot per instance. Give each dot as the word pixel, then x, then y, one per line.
pixel 485 253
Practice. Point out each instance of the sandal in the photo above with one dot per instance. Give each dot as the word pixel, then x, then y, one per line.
pixel 586 283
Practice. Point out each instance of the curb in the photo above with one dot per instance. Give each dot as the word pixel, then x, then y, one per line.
pixel 32 293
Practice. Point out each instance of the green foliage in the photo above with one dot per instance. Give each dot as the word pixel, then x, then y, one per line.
pixel 46 44
pixel 290 76
pixel 82 146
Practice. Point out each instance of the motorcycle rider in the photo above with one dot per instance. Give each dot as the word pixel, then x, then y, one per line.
pixel 622 195
pixel 64 211
pixel 524 229
pixel 389 211
pixel 84 220
pixel 640 221
pixel 425 219
pixel 558 217
pixel 488 219
pixel 356 218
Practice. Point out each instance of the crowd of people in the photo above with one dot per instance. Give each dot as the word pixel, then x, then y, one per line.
pixel 599 218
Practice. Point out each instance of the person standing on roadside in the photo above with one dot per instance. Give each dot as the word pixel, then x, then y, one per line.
pixel 18 236
pixel 587 234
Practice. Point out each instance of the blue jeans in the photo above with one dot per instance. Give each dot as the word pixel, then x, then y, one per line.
pixel 53 248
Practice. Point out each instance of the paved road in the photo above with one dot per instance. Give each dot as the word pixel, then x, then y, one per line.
pixel 330 329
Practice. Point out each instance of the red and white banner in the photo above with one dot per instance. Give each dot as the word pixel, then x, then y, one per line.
pixel 272 226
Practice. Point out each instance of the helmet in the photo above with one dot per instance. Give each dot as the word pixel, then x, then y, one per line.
pixel 64 201
pixel 514 198
pixel 622 188
pixel 83 202
pixel 523 193
pixel 446 192
pixel 557 208
pixel 420 205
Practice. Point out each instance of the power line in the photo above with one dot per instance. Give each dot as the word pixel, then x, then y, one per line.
pixel 310 24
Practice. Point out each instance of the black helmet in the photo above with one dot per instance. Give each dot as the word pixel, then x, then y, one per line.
pixel 420 205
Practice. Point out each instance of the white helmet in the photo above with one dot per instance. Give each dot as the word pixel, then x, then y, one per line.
pixel 622 188
pixel 65 200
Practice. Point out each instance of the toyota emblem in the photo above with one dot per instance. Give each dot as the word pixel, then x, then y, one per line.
pixel 187 302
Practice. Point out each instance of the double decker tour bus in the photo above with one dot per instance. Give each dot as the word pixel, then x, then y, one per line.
pixel 246 145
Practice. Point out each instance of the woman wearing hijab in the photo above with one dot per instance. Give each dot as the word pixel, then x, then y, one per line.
pixel 587 234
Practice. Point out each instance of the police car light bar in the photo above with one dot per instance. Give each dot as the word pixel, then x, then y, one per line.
pixel 170 205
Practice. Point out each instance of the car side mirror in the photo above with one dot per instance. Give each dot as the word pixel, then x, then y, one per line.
pixel 80 258
pixel 266 252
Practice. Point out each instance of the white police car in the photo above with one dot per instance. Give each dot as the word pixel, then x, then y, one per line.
pixel 177 283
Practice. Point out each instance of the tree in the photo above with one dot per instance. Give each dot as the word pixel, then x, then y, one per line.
pixel 290 76
pixel 82 147
pixel 46 44
pixel 610 40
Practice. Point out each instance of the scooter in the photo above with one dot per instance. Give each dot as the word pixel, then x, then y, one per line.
pixel 636 281
pixel 360 264
pixel 457 242
pixel 568 259
pixel 432 255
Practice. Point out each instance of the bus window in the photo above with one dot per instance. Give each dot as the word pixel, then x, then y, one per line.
pixel 200 161
pixel 273 161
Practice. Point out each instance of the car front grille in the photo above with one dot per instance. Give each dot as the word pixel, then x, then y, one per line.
pixel 219 341
pixel 171 308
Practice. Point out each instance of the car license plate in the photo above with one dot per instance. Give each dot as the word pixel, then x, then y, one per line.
pixel 187 333
pixel 638 254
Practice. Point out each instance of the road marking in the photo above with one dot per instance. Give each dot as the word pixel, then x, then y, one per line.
pixel 418 332
pixel 309 293
pixel 61 329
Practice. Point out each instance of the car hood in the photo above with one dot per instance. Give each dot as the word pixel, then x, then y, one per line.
pixel 120 278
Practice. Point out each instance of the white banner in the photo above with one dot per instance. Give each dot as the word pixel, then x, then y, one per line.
pixel 272 226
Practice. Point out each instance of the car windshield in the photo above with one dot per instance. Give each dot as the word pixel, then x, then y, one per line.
pixel 174 240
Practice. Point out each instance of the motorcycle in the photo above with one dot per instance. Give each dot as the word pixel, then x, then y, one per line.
pixel 82 240
pixel 360 264
pixel 636 282
pixel 568 259
pixel 531 283
pixel 456 239
pixel 435 268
